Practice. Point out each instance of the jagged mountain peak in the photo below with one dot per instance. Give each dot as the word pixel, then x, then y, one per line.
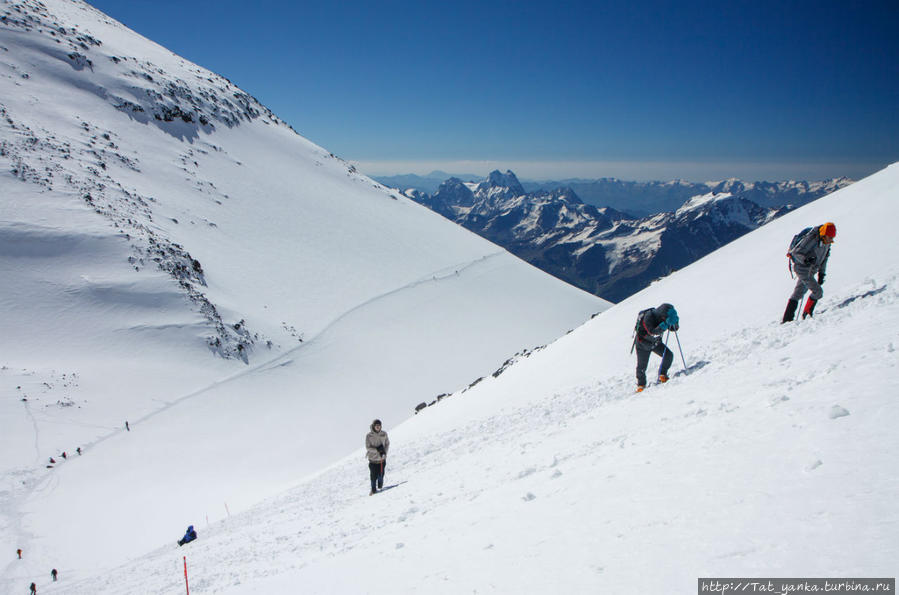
pixel 452 183
pixel 703 200
pixel 564 193
pixel 452 192
pixel 504 184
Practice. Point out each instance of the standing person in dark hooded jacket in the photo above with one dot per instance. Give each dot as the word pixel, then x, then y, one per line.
pixel 376 446
pixel 808 257
pixel 651 324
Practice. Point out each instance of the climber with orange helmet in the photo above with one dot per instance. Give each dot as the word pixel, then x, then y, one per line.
pixel 808 255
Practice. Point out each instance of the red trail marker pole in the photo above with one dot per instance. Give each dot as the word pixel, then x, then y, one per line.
pixel 186 586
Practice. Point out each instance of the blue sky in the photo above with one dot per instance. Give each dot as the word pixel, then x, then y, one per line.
pixel 643 90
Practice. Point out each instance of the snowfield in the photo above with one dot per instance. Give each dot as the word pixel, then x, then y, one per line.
pixel 774 456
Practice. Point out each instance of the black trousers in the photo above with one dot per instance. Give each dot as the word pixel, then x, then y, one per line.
pixel 643 361
pixel 376 471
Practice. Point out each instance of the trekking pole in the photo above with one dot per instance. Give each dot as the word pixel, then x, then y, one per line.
pixel 686 370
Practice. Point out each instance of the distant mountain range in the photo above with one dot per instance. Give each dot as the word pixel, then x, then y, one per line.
pixel 645 198
pixel 604 250
pixel 427 183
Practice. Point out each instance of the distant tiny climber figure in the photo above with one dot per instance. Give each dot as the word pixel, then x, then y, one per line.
pixel 808 255
pixel 53 574
pixel 376 446
pixel 127 427
pixel 33 589
pixel 64 455
pixel 52 461
pixel 19 553
pixel 189 536
pixel 78 450
pixel 651 324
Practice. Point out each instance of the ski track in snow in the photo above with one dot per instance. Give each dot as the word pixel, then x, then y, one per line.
pixel 22 486
pixel 331 515
pixel 37 435
pixel 434 277
pixel 280 360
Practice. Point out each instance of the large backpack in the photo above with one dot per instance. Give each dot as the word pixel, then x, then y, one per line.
pixel 794 243
pixel 640 316
pixel 797 239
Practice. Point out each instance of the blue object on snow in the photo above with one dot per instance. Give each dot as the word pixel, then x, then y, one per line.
pixel 189 536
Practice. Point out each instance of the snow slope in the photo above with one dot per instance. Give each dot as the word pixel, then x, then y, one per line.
pixel 774 456
pixel 174 255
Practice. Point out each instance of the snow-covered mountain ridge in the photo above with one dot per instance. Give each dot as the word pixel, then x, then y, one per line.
pixel 243 298
pixel 555 477
pixel 647 198
pixel 140 88
pixel 148 94
pixel 600 250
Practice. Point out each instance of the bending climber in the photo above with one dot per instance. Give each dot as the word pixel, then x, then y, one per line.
pixel 651 323
pixel 808 256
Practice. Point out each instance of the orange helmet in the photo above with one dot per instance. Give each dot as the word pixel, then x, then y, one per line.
pixel 827 230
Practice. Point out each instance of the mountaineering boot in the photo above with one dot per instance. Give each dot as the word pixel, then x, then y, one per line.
pixel 371 493
pixel 790 312
pixel 663 379
pixel 640 389
pixel 809 307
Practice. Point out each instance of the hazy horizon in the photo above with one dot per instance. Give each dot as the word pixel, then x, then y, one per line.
pixel 628 171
